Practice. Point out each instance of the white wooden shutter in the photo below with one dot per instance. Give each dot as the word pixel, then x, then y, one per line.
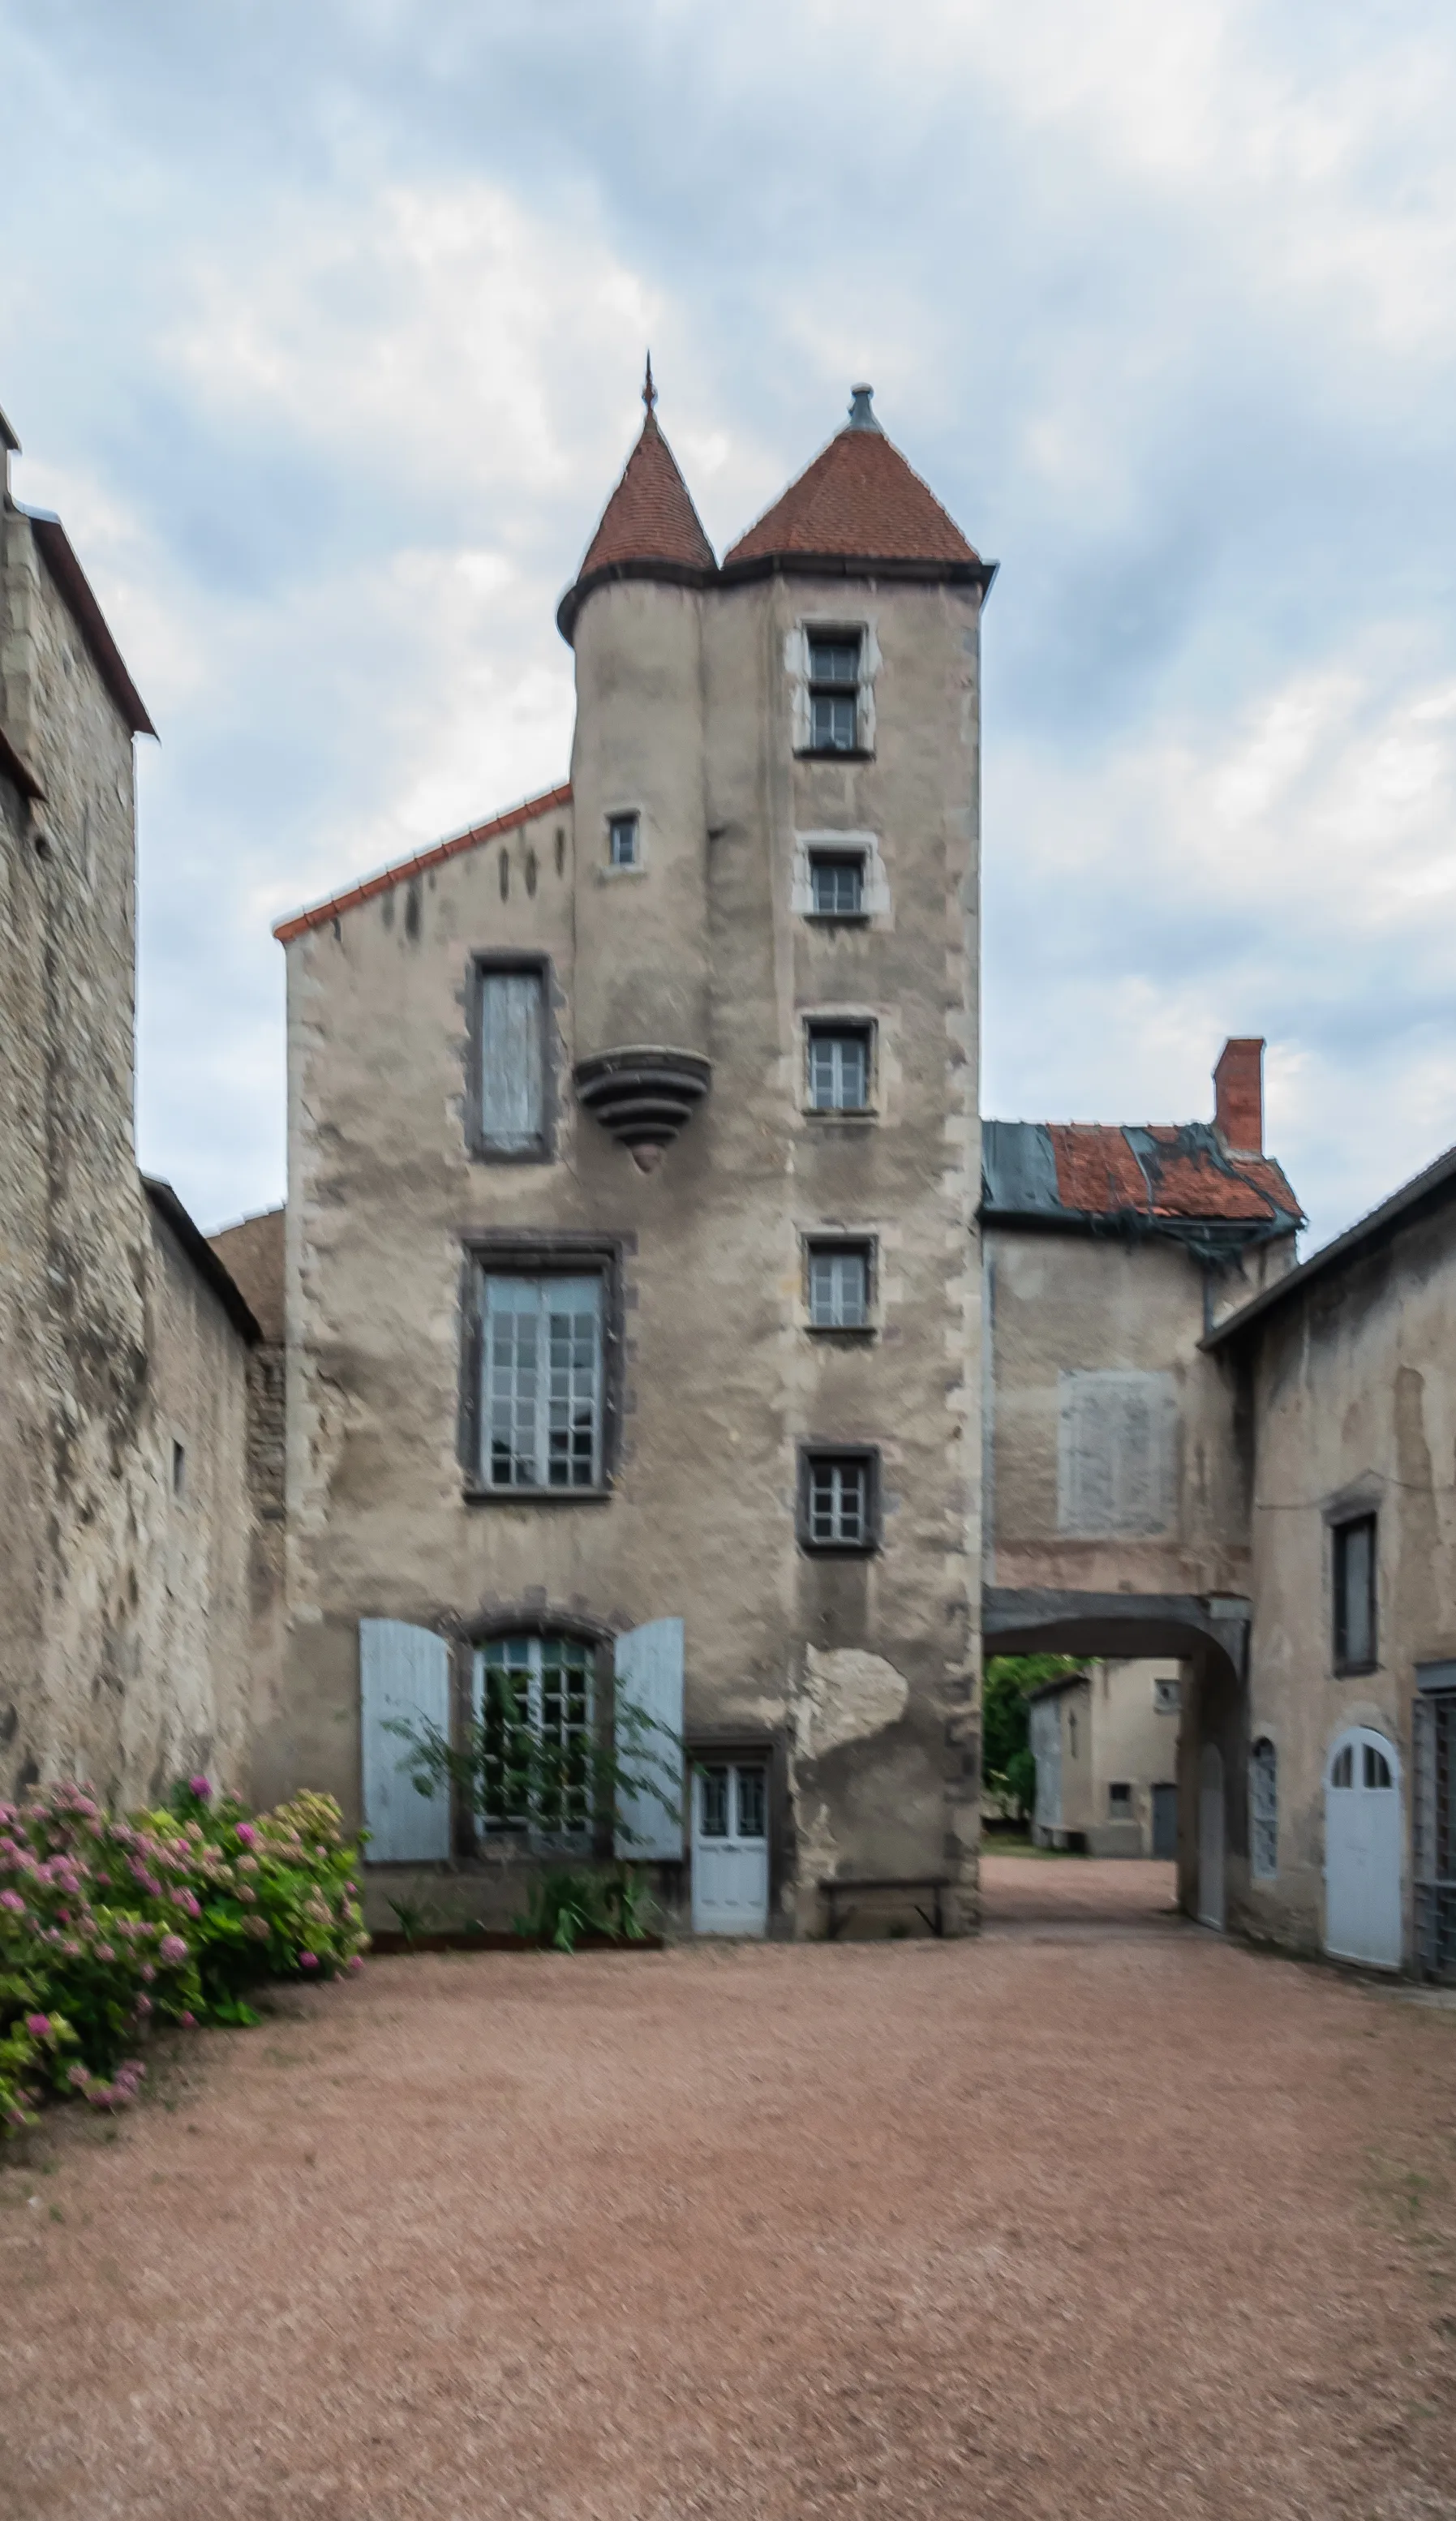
pixel 404 1678
pixel 649 1677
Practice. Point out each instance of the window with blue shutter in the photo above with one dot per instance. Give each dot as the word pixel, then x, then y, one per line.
pixel 511 1050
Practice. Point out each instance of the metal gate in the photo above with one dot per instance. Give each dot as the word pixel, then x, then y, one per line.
pixel 1433 1822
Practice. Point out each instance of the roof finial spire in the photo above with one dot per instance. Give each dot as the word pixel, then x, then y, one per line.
pixel 862 409
pixel 649 389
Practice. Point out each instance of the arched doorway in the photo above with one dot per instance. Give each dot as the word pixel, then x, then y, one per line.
pixel 1212 1837
pixel 1363 1840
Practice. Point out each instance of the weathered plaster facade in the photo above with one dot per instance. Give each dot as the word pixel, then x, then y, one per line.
pixel 1105 1743
pixel 852 1674
pixel 1346 1373
pixel 122 1654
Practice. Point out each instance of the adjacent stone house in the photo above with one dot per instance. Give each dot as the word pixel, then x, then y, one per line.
pixel 124 1345
pixel 1329 1820
pixel 1106 1746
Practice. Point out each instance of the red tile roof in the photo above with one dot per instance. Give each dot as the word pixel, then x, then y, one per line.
pixel 859 500
pixel 401 873
pixel 1166 1172
pixel 650 514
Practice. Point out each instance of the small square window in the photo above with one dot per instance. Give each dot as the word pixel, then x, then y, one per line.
pixel 839 1286
pixel 839 1068
pixel 837 886
pixel 834 692
pixel 1356 1594
pixel 622 838
pixel 1119 1801
pixel 839 1500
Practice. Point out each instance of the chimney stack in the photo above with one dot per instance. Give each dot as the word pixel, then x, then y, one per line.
pixel 1239 1098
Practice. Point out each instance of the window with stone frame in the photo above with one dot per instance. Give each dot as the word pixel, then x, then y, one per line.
pixel 833 690
pixel 542 1383
pixel 511 1082
pixel 840 1063
pixel 535 1708
pixel 839 1498
pixel 837 883
pixel 838 1275
pixel 1353 1548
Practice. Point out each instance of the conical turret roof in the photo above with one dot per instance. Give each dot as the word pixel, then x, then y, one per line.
pixel 650 526
pixel 650 514
pixel 858 500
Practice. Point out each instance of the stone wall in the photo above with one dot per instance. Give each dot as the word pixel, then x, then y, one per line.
pixel 121 1644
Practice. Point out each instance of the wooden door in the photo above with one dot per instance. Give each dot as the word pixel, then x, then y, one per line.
pixel 1363 1836
pixel 730 1847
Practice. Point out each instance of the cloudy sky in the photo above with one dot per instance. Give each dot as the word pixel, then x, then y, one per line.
pixel 322 326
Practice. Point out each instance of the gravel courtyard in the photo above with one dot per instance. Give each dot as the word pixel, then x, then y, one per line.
pixel 1096 2214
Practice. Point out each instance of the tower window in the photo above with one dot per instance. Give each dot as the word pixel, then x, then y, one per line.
pixel 836 886
pixel 839 1286
pixel 838 1500
pixel 834 692
pixel 624 841
pixel 839 1068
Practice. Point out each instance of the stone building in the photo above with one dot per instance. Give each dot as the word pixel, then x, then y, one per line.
pixel 633 1305
pixel 1329 1819
pixel 1106 1747
pixel 124 1618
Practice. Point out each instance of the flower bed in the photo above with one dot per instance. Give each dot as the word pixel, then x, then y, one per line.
pixel 108 1925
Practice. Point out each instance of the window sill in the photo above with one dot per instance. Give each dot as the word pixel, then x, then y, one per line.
pixel 833 753
pixel 1355 1671
pixel 859 1119
pixel 845 1334
pixel 837 918
pixel 475 1492
pixel 838 1548
pixel 483 1154
pixel 619 874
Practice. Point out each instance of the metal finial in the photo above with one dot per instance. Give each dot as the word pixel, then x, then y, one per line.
pixel 649 389
pixel 861 408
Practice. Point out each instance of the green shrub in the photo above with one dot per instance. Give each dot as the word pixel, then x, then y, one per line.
pixel 567 1901
pixel 108 1925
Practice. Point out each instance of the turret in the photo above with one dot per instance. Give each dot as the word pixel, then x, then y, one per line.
pixel 633 617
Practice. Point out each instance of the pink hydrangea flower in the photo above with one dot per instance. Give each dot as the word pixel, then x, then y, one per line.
pixel 247 1834
pixel 38 2025
pixel 308 1960
pixel 171 1949
pixel 200 1787
pixel 11 1900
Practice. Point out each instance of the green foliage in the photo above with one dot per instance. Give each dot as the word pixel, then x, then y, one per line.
pixel 1007 1764
pixel 567 1901
pixel 542 1787
pixel 108 1925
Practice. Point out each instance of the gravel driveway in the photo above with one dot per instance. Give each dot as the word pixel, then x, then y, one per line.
pixel 1095 2216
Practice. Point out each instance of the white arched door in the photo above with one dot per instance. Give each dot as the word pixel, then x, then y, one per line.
pixel 1363 1837
pixel 1210 1837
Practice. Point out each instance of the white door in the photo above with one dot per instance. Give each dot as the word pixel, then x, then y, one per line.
pixel 1210 1837
pixel 1363 1849
pixel 730 1847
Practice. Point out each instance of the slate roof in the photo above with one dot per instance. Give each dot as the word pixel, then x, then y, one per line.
pixel 1162 1178
pixel 858 500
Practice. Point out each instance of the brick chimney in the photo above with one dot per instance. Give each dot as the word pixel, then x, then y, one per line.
pixel 1239 1098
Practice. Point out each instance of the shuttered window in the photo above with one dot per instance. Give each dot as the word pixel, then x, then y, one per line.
pixel 1116 1453
pixel 534 1706
pixel 512 1036
pixel 541 1382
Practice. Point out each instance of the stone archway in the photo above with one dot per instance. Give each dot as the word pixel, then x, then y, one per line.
pixel 1209 1634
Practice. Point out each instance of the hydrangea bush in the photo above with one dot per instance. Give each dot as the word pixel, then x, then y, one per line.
pixel 108 1925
